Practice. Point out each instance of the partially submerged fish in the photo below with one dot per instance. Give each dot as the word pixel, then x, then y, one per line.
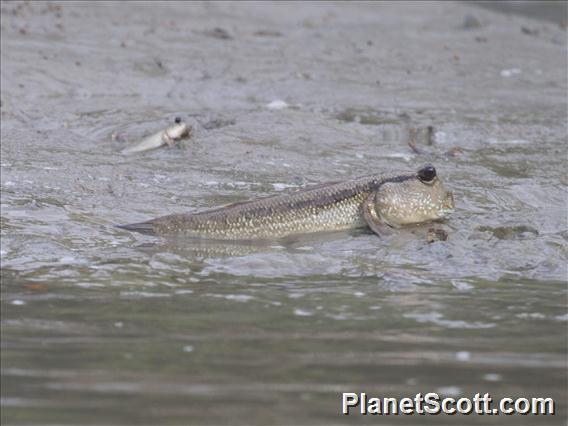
pixel 173 133
pixel 379 202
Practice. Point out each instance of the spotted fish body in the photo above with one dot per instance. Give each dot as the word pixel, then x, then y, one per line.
pixel 327 207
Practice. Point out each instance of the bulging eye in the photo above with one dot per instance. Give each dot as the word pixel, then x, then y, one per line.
pixel 427 173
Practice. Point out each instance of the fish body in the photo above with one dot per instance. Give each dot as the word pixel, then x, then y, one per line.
pixel 377 201
pixel 165 137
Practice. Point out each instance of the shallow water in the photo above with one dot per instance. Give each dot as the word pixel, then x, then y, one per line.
pixel 100 325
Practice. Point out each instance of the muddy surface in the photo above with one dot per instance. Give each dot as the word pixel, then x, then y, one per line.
pixel 102 326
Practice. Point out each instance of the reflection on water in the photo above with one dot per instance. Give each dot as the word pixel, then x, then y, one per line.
pixel 104 326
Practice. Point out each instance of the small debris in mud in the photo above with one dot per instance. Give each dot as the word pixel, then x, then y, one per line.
pixel 217 123
pixel 277 104
pixel 440 137
pixel 519 232
pixel 16 11
pixel 268 33
pixel 35 287
pixel 369 116
pixel 426 135
pixel 307 23
pixel 151 67
pixel 454 152
pixel 430 135
pixel 117 137
pixel 218 33
pixel 481 39
pixel 412 141
pixel 470 22
pixel 53 8
pixel 529 31
pixel 436 234
pixel 510 72
pixel 240 79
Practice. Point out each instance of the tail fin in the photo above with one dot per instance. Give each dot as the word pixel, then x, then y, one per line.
pixel 142 227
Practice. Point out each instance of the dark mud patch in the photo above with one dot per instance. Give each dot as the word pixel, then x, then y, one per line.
pixel 371 117
pixel 517 232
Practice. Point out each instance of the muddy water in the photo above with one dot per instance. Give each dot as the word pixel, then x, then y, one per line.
pixel 102 326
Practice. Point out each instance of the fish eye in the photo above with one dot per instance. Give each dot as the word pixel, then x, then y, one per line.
pixel 427 173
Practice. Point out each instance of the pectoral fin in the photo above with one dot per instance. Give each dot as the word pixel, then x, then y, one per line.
pixel 372 218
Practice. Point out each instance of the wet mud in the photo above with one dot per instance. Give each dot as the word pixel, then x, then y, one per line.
pixel 100 325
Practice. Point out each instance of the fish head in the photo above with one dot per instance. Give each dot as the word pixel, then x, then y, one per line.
pixel 176 132
pixel 413 198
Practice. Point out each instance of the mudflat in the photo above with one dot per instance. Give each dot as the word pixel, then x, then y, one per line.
pixel 100 326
